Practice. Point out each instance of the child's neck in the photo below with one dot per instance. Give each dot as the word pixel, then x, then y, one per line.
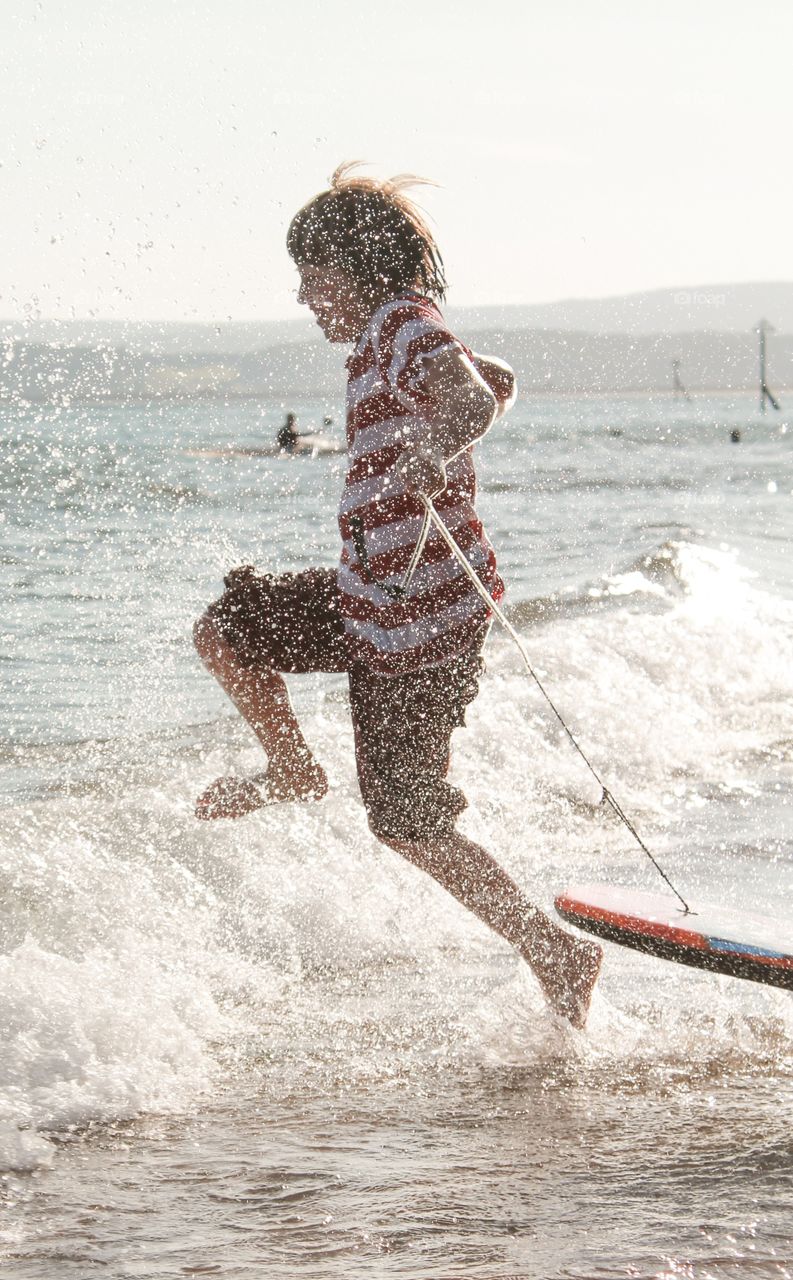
pixel 377 299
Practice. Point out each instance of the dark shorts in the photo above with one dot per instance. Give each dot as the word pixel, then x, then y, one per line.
pixel 403 724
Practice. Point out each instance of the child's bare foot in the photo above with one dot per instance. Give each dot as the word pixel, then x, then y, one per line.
pixel 234 797
pixel 568 976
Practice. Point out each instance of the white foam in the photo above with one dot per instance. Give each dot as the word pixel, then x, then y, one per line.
pixel 22 1151
pixel 141 946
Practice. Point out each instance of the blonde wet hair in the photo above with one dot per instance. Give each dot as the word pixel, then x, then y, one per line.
pixel 373 231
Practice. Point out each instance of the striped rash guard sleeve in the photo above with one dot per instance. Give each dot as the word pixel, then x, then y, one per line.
pixel 411 335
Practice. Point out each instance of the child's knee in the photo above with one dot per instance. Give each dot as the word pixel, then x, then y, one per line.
pixel 206 637
pixel 419 852
pixel 377 828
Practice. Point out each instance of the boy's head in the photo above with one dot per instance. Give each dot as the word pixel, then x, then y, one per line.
pixel 357 244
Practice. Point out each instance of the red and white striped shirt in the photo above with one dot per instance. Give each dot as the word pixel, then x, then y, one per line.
pixel 441 613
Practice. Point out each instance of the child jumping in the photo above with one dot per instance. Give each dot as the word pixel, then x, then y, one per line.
pixel 407 630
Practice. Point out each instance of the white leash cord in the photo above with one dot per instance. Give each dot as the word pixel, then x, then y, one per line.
pixel 481 590
pixel 606 796
pixel 418 550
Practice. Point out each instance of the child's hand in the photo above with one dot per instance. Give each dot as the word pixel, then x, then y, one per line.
pixel 422 471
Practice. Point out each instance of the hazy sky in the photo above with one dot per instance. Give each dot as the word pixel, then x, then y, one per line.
pixel 153 152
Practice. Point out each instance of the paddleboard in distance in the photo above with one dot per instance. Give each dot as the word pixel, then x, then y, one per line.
pixel 312 445
pixel 314 442
pixel 756 947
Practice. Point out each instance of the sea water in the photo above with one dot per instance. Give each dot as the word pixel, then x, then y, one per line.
pixel 272 1048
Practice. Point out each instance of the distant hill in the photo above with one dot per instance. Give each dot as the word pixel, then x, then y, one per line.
pixel 164 337
pixel 545 360
pixel 732 308
pixel 586 363
pixel 604 345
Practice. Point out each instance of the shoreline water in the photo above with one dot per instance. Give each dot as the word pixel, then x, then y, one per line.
pixel 528 392
pixel 216 1038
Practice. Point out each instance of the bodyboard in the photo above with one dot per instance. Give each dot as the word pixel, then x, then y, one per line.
pixel 756 947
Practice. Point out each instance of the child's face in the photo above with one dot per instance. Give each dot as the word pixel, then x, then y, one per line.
pixel 337 301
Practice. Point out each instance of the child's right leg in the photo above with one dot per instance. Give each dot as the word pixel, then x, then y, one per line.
pixel 260 627
pixel 262 699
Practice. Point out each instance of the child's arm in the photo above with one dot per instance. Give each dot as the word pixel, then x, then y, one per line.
pixel 500 379
pixel 466 400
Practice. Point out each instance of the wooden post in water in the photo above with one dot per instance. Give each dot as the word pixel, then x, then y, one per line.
pixel 763 328
pixel 680 390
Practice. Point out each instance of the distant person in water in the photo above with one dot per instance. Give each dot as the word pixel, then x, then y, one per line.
pixel 288 437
